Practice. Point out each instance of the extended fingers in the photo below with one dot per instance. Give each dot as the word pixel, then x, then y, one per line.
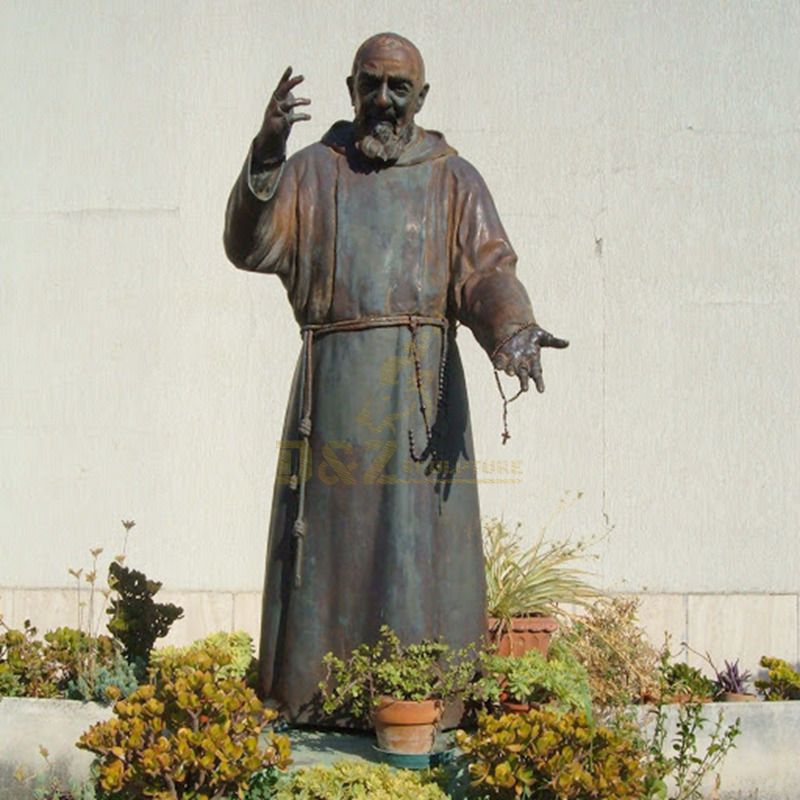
pixel 548 340
pixel 536 372
pixel 522 373
pixel 287 83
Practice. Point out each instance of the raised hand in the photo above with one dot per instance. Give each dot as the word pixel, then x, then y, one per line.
pixel 520 355
pixel 280 115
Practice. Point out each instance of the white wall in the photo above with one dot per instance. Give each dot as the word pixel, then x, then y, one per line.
pixel 645 158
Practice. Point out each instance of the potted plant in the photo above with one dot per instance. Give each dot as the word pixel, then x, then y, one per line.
pixel 525 587
pixel 731 684
pixel 519 683
pixel 782 681
pixel 399 689
pixel 681 683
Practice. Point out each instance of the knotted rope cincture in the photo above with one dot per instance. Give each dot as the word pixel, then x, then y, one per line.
pixel 304 427
pixel 507 401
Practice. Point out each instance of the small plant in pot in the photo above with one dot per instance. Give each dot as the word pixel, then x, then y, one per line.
pixel 731 683
pixel 526 586
pixel 681 683
pixel 519 683
pixel 399 689
pixel 782 681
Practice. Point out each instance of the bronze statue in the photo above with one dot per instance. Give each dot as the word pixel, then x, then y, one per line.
pixel 386 240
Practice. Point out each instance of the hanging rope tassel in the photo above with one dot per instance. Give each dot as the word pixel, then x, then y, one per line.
pixel 304 429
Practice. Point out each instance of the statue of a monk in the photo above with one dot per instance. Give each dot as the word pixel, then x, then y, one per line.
pixel 386 240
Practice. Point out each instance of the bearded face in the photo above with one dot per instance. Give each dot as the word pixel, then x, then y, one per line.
pixel 387 89
pixel 383 140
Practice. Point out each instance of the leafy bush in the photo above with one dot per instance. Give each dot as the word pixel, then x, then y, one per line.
pixel 622 665
pixel 24 667
pixel 237 647
pixel 688 767
pixel 105 682
pixel 87 666
pixel 551 756
pixel 524 582
pixel 533 679
pixel 782 682
pixel 136 619
pixel 352 780
pixel 682 683
pixel 190 733
pixel 66 663
pixel 427 670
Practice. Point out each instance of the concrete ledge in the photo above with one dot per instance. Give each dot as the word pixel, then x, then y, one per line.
pixel 763 766
pixel 26 724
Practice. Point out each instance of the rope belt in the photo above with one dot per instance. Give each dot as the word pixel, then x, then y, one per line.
pixel 310 333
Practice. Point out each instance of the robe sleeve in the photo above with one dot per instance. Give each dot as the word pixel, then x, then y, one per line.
pixel 261 217
pixel 486 295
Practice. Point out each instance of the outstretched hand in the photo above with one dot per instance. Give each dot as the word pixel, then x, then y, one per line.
pixel 520 355
pixel 280 115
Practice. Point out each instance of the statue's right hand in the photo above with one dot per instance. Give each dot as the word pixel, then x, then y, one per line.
pixel 270 143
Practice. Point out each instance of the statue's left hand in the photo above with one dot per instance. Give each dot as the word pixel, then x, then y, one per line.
pixel 520 355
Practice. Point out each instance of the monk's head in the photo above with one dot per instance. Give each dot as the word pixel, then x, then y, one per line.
pixel 387 87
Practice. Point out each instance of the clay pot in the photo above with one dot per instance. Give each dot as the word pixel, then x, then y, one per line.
pixel 524 634
pixel 738 697
pixel 406 726
pixel 685 697
pixel 510 707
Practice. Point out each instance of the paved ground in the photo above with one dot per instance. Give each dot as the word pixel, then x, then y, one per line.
pixel 325 747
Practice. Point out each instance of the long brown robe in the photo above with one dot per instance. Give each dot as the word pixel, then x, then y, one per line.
pixel 388 539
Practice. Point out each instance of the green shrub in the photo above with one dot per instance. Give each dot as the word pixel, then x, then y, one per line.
pixel 105 682
pixel 420 671
pixel 25 670
pixel 534 679
pixel 136 619
pixel 191 734
pixel 353 780
pixel 680 682
pixel 622 665
pixel 87 666
pixel 238 646
pixel 687 765
pixel 551 756
pixel 782 682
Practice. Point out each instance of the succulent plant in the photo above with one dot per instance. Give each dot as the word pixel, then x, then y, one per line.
pixel 782 681
pixel 417 671
pixel 190 733
pixel 730 680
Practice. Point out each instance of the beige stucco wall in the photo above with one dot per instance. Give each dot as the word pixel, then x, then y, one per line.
pixel 645 159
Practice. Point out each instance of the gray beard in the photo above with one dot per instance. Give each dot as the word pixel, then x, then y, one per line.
pixel 383 143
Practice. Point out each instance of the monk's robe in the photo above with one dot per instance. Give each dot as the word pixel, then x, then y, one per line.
pixel 381 264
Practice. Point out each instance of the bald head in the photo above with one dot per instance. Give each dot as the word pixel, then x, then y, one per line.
pixel 393 48
pixel 387 87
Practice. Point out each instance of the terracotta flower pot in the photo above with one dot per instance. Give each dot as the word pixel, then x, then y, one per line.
pixel 406 726
pixel 686 697
pixel 524 634
pixel 738 697
pixel 510 707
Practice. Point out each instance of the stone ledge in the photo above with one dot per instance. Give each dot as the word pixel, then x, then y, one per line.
pixel 764 765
